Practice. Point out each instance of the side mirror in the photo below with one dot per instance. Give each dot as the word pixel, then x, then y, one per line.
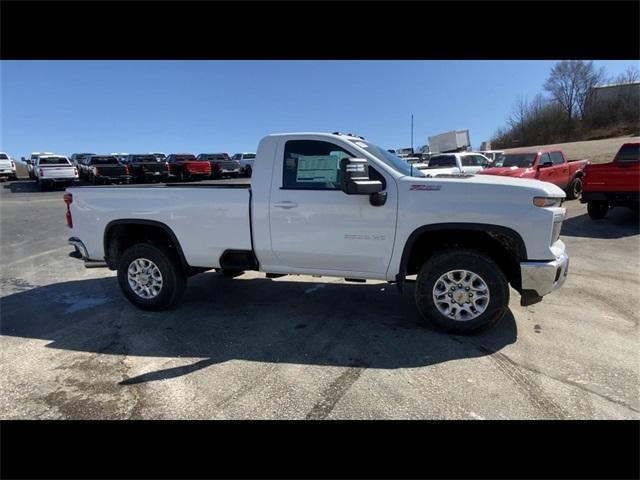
pixel 354 177
pixel 545 165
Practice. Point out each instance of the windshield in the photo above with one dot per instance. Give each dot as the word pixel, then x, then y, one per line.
pixel 54 161
pixel 185 158
pixel 442 161
pixel 520 160
pixel 104 161
pixel 388 158
pixel 629 153
pixel 3 157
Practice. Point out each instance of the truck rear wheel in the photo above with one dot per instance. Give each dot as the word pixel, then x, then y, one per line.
pixel 597 210
pixel 461 291
pixel 151 276
pixel 575 189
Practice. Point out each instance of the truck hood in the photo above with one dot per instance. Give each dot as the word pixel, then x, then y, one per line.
pixel 498 184
pixel 506 171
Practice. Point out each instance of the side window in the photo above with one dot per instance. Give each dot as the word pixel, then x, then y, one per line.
pixel 556 158
pixel 472 160
pixel 544 158
pixel 312 165
pixel 480 160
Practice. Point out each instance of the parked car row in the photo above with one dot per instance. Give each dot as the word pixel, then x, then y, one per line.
pixel 549 165
pixel 50 169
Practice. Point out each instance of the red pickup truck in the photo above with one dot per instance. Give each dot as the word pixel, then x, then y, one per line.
pixel 547 164
pixel 613 184
pixel 185 166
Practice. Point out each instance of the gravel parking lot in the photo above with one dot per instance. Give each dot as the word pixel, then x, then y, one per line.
pixel 303 347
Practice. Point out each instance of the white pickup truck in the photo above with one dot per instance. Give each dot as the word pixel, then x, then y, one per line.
pixel 453 163
pixel 7 167
pixel 54 170
pixel 334 205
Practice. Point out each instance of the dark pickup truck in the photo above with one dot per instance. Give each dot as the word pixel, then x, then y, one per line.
pixel 146 168
pixel 613 184
pixel 106 169
pixel 221 164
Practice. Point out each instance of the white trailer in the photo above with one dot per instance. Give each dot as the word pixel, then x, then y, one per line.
pixel 454 141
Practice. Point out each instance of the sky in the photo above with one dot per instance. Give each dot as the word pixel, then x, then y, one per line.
pixel 228 106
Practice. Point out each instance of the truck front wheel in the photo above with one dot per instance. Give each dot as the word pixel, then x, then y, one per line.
pixel 151 276
pixel 461 291
pixel 575 189
pixel 597 210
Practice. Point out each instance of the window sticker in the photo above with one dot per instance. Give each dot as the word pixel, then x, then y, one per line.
pixel 322 168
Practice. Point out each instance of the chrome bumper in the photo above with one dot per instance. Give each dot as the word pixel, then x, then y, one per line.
pixel 541 278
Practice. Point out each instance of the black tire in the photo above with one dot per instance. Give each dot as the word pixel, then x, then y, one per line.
pixel 231 273
pixel 182 176
pixel 472 261
pixel 575 189
pixel 174 280
pixel 597 210
pixel 248 171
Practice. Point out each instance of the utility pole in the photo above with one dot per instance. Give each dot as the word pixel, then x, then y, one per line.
pixel 412 132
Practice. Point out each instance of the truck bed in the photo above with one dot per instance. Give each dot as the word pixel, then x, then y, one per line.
pixel 207 218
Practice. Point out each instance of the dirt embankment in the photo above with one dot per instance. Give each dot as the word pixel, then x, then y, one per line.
pixel 596 151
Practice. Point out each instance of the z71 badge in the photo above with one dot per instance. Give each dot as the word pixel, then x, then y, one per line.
pixel 425 187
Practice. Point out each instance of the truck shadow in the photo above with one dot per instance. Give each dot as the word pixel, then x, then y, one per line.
pixel 620 222
pixel 260 320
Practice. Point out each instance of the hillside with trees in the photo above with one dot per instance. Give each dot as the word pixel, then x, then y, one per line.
pixel 579 103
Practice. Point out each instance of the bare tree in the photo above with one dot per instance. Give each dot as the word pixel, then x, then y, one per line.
pixel 630 75
pixel 519 113
pixel 569 84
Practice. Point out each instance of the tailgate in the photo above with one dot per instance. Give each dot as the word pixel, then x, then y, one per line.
pixel 612 177
pixel 199 167
pixel 58 172
pixel 154 167
pixel 111 170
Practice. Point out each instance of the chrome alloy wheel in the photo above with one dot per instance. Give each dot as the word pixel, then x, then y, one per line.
pixel 461 295
pixel 144 278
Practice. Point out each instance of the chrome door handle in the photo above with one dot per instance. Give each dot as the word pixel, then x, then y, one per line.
pixel 285 204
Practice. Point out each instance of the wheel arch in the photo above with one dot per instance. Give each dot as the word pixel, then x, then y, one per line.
pixel 117 232
pixel 493 240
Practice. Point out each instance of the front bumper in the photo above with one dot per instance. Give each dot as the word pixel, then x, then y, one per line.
pixel 542 278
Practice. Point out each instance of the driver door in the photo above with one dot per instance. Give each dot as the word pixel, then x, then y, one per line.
pixel 317 227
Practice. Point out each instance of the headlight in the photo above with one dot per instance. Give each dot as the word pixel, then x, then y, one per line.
pixel 548 201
